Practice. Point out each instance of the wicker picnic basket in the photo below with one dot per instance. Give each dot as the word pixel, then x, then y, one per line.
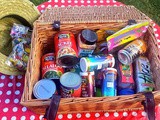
pixel 74 19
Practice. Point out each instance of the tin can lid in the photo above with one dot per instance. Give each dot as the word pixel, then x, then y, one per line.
pixel 68 61
pixel 83 73
pixel 89 37
pixel 70 80
pixel 83 64
pixel 124 57
pixel 44 89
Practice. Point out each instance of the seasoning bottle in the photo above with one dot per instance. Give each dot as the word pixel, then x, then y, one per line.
pixel 128 54
pixel 91 84
pixel 86 42
pixel 98 82
pixel 109 82
pixel 84 85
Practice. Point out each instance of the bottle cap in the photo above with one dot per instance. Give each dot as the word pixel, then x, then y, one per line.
pixel 44 89
pixel 88 37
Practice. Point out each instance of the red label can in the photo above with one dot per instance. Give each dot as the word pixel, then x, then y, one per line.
pixel 65 49
pixel 70 85
pixel 49 67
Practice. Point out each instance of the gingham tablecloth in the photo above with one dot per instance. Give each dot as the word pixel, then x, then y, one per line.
pixel 11 87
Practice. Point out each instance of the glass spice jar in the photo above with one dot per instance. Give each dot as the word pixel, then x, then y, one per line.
pixel 86 42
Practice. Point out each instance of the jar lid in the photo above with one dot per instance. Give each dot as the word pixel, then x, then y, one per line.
pixel 70 80
pixel 88 37
pixel 44 89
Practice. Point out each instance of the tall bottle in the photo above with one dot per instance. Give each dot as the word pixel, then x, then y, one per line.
pixel 109 82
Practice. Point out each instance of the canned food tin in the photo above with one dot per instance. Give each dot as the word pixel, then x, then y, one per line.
pixel 49 67
pixel 44 89
pixel 96 62
pixel 109 82
pixel 66 49
pixel 70 85
pixel 128 54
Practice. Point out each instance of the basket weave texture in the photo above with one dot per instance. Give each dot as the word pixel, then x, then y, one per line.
pixel 75 19
pixel 13 11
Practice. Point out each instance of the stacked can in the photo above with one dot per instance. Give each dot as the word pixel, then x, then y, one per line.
pixel 70 85
pixel 49 68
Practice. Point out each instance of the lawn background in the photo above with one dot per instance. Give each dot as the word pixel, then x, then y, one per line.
pixel 150 7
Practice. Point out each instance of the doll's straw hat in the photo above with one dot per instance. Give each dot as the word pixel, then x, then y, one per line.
pixel 13 11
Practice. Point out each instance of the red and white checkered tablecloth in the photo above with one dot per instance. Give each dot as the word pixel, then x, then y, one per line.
pixel 11 87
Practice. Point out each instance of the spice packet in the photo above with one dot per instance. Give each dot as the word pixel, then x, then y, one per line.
pixel 19 56
pixel 18 31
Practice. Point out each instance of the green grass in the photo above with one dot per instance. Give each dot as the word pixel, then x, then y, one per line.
pixel 37 2
pixel 150 7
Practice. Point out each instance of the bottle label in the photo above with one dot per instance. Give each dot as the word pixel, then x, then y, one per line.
pixel 127 73
pixel 84 86
pixel 143 75
pixel 109 84
pixel 84 52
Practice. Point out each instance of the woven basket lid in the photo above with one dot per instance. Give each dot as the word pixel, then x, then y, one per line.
pixel 13 11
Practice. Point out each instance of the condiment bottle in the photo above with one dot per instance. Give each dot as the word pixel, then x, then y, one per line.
pixel 91 84
pixel 109 82
pixel 84 85
pixel 86 42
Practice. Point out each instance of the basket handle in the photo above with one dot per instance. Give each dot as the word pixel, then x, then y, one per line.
pixel 51 111
pixel 149 105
